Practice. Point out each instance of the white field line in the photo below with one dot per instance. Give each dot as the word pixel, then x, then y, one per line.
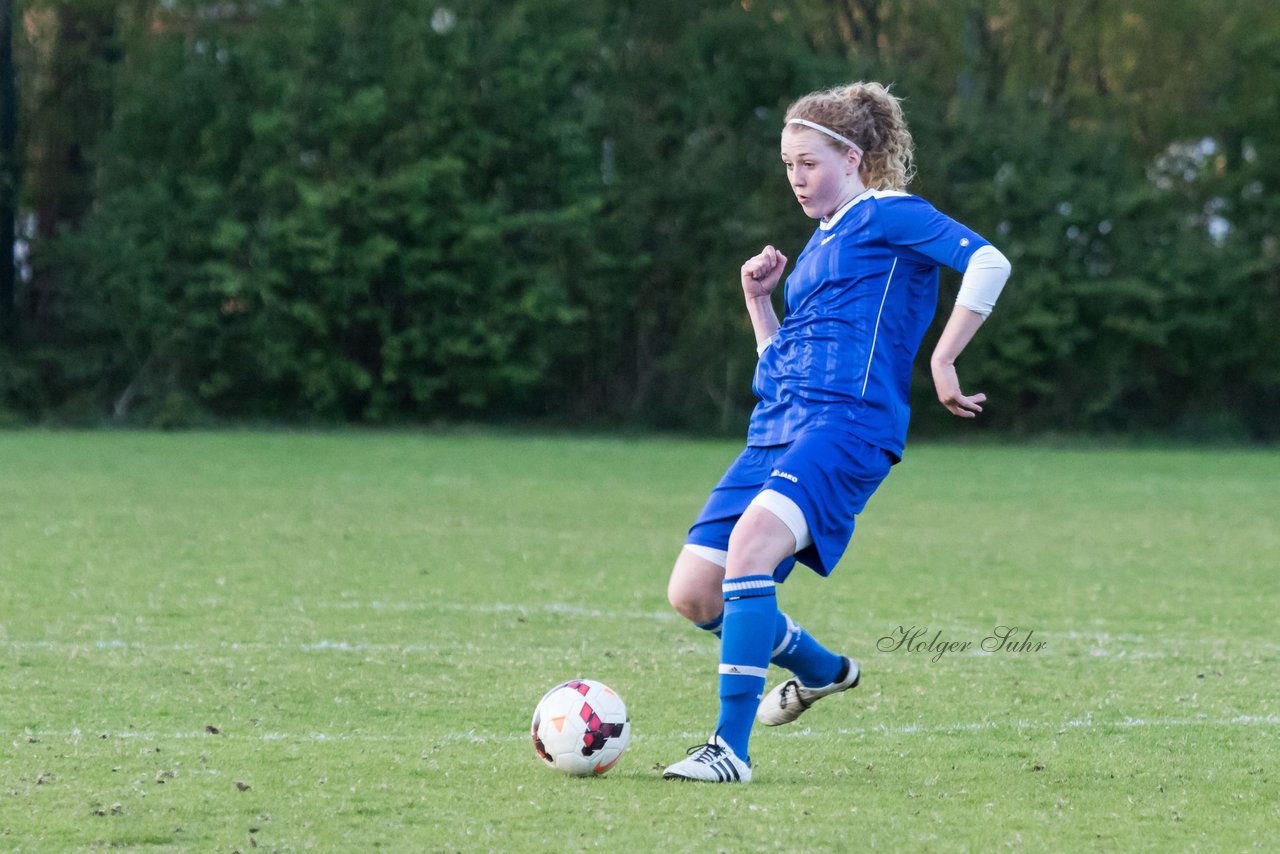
pixel 1096 645
pixel 561 608
pixel 225 646
pixel 1192 651
pixel 339 646
pixel 1086 723
pixel 950 631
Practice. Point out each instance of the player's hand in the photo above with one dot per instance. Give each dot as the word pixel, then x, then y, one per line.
pixel 947 385
pixel 760 274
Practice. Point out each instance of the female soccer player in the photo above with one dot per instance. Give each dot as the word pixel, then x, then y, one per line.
pixel 832 383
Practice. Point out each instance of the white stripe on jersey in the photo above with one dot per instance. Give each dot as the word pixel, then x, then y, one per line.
pixel 828 224
pixel 876 333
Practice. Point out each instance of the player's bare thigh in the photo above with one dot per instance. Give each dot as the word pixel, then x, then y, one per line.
pixel 759 542
pixel 759 539
pixel 695 587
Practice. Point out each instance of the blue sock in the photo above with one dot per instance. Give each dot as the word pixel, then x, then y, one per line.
pixel 712 626
pixel 750 614
pixel 795 649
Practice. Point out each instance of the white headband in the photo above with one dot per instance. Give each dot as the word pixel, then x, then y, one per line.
pixel 829 132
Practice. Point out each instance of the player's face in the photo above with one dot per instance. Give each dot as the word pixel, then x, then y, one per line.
pixel 822 176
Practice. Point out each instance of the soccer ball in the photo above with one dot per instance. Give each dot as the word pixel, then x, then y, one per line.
pixel 581 728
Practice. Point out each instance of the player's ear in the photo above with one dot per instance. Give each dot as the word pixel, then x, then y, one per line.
pixel 855 162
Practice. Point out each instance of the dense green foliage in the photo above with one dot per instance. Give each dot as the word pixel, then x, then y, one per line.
pixel 376 210
pixel 212 642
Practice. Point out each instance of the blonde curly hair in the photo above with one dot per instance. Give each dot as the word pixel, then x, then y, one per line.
pixel 871 116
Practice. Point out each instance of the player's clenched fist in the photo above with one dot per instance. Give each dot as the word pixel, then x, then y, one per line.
pixel 761 273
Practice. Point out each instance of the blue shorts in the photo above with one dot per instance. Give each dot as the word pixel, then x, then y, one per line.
pixel 828 473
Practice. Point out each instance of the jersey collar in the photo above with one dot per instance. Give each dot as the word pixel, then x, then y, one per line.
pixel 831 221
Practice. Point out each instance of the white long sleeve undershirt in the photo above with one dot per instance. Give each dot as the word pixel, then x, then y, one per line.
pixel 983 280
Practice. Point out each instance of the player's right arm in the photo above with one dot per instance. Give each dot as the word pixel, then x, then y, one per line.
pixel 760 277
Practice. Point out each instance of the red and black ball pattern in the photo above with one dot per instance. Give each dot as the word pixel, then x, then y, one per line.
pixel 537 742
pixel 598 732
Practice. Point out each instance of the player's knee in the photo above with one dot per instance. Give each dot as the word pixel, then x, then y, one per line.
pixel 680 599
pixel 695 602
pixel 687 603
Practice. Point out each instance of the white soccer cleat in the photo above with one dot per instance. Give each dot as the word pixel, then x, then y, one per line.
pixel 791 699
pixel 713 762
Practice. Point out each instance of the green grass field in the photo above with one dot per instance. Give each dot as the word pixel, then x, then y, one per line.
pixel 216 642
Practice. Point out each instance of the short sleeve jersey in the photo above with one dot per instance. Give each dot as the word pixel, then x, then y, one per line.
pixel 858 303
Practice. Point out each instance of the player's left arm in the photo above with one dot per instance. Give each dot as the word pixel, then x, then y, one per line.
pixel 917 227
pixel 984 279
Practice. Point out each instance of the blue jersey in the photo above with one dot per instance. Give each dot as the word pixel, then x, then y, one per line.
pixel 858 302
